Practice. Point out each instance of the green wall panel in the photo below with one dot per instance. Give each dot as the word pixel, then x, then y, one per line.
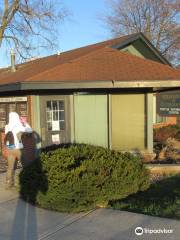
pixel 146 51
pixel 140 49
pixel 91 119
pixel 128 122
pixel 131 49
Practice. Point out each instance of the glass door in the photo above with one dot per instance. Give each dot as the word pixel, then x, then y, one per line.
pixel 55 120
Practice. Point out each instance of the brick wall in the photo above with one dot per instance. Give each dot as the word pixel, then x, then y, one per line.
pixel 169 121
pixel 4 151
pixel 29 142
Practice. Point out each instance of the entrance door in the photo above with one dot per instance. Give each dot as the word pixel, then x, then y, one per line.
pixel 54 118
pixel 91 119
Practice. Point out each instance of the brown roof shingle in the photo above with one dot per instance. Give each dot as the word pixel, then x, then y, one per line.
pixel 108 64
pixel 96 62
pixel 31 68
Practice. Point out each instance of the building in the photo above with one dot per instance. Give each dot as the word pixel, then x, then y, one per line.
pixel 101 94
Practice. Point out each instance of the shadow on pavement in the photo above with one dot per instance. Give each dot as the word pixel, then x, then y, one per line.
pixel 30 185
pixel 25 222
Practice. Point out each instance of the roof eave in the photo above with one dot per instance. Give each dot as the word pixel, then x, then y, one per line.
pixel 23 86
pixel 148 83
pixel 10 87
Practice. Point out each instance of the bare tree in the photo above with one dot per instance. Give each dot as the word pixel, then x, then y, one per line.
pixel 30 24
pixel 157 19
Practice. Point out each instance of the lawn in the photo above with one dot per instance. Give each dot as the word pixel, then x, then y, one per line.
pixel 161 199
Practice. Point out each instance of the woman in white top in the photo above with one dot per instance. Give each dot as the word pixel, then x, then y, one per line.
pixel 15 127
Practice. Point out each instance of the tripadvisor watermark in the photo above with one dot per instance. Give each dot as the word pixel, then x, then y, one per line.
pixel 140 231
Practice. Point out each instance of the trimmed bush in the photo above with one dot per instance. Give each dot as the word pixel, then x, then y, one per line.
pixel 162 134
pixel 81 177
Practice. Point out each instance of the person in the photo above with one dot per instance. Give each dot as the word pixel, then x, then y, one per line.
pixel 13 132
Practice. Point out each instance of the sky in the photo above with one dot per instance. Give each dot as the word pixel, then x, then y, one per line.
pixel 82 27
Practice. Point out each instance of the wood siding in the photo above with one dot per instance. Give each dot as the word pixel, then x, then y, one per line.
pixel 128 122
pixel 91 119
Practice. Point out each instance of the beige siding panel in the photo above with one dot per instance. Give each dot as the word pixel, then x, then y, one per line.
pixel 128 122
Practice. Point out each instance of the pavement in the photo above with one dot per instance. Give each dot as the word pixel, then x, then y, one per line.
pixel 3 164
pixel 22 221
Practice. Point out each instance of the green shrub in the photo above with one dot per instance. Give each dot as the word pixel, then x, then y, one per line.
pixel 163 133
pixel 156 201
pixel 81 177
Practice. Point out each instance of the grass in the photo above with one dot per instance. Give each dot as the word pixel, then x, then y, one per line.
pixel 161 199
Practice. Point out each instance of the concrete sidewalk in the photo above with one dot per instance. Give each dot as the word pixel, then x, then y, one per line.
pixel 6 195
pixel 22 221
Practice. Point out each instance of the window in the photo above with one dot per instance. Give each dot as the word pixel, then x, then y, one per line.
pixel 3 115
pixel 22 109
pixel 6 108
pixel 160 119
pixel 12 107
pixel 55 115
pixel 156 117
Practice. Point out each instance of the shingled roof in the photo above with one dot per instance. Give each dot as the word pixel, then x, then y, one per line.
pixel 32 68
pixel 111 65
pixel 97 62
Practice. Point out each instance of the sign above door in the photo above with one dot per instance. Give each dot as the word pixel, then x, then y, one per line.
pixel 13 99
